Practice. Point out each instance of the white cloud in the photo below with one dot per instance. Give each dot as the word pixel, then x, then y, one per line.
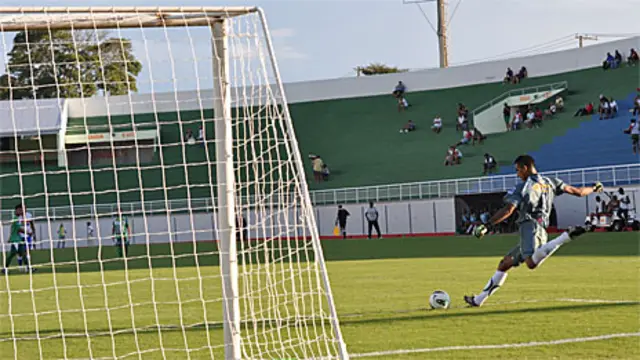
pixel 282 33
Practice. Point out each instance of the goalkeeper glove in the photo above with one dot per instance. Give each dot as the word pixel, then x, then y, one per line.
pixel 597 187
pixel 480 231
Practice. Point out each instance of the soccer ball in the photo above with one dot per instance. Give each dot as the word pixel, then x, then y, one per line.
pixel 439 300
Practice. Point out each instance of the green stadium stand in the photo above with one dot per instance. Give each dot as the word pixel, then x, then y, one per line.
pixel 358 138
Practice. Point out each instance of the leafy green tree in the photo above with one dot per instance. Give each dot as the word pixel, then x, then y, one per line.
pixel 67 64
pixel 378 68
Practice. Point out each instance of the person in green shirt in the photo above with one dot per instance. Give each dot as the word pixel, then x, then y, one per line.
pixel 17 239
pixel 120 231
pixel 62 237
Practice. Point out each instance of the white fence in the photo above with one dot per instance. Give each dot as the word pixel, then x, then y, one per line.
pixel 619 175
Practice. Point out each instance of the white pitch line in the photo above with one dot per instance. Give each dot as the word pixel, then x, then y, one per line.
pixel 495 346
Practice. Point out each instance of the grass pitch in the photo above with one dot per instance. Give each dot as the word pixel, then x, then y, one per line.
pixel 589 288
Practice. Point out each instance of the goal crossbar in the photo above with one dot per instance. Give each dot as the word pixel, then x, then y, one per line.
pixel 83 18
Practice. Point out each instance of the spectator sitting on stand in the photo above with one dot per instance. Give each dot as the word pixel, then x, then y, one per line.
pixel 604 109
pixel 490 164
pixel 478 136
pixel 409 126
pixel 522 74
pixel 586 110
pixel 509 78
pixel 399 90
pixel 609 62
pixel 437 125
pixel 539 115
pixel 633 58
pixel 453 157
pixel 617 58
pixel 613 108
pixel 467 136
pixel 514 124
pixel 636 104
pixel 530 121
pixel 325 172
pixel 462 123
pixel 403 104
pixel 189 139
pixel 559 103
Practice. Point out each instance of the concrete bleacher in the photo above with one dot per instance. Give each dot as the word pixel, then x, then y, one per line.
pixel 594 143
pixel 359 139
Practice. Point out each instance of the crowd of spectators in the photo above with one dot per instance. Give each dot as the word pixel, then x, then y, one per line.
pixel 616 60
pixel 530 117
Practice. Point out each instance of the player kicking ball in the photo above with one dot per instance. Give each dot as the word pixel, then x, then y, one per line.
pixel 533 198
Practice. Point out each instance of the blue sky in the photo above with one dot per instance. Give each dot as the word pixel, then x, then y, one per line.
pixel 319 39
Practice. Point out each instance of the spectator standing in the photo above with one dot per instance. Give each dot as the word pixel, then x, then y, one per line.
pixel 372 216
pixel 514 124
pixel 341 220
pixel 634 131
pixel 506 113
pixel 317 165
pixel 559 103
pixel 62 235
pixel 490 164
pixel 636 104
pixel 90 233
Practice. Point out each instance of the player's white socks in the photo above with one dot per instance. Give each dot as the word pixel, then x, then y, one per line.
pixel 546 250
pixel 492 286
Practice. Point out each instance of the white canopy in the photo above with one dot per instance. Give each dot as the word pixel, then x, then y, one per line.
pixel 31 117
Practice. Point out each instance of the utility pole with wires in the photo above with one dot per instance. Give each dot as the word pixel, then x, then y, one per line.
pixel 582 37
pixel 442 23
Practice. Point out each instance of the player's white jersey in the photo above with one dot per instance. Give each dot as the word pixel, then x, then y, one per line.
pixel 26 220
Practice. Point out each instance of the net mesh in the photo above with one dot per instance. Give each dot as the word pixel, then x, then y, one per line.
pixel 108 141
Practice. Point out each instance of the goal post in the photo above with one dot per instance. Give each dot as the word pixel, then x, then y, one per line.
pixel 183 227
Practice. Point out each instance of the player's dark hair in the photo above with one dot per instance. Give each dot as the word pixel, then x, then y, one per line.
pixel 525 160
pixel 19 206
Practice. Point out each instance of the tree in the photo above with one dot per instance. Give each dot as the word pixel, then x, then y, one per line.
pixel 378 68
pixel 66 64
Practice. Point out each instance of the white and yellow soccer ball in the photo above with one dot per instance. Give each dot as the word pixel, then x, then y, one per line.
pixel 439 300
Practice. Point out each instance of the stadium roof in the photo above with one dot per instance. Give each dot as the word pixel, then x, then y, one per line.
pixel 29 118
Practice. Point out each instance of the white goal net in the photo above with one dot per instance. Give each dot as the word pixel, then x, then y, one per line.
pixel 152 194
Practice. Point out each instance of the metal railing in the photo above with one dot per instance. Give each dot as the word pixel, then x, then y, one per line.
pixel 618 175
pixel 520 91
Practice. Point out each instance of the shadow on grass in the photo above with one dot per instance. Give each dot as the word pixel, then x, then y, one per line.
pixel 344 321
pixel 430 315
pixel 206 253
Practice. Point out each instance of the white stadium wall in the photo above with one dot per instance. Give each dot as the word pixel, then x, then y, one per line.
pixel 353 87
pixel 409 218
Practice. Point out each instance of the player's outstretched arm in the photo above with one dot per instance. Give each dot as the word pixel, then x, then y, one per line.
pixel 502 214
pixel 583 191
pixel 496 219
